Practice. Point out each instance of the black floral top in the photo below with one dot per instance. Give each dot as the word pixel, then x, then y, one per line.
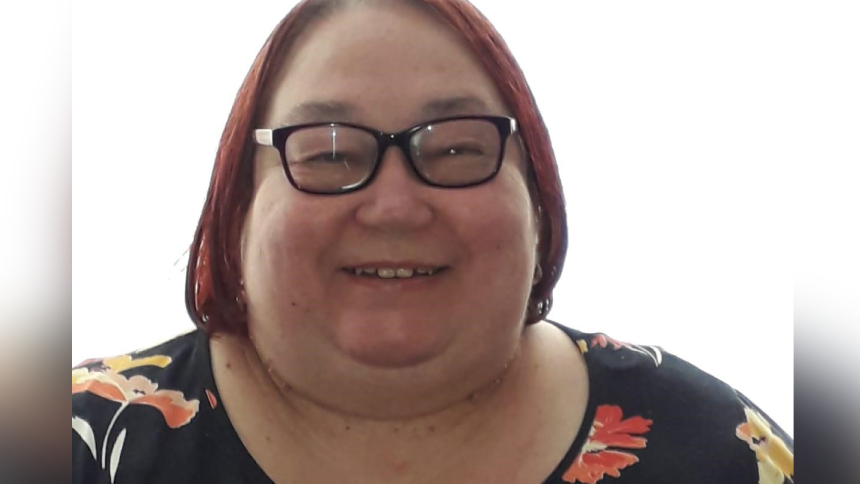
pixel 154 417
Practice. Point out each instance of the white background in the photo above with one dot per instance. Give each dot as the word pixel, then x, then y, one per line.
pixel 677 125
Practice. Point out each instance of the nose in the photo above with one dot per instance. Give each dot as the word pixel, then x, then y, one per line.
pixel 396 200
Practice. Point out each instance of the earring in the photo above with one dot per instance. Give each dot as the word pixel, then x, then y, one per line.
pixel 538 275
pixel 240 296
pixel 538 309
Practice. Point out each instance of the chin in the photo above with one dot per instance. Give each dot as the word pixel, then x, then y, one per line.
pixel 389 341
pixel 393 358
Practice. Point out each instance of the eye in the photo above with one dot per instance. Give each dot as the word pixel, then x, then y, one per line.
pixel 326 158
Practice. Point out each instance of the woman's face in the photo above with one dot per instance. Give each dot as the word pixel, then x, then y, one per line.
pixel 389 67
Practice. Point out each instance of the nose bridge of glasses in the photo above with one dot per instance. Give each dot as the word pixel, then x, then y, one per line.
pixel 396 140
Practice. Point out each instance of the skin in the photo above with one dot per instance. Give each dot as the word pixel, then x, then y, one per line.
pixel 389 382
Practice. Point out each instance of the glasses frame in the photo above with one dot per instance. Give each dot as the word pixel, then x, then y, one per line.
pixel 277 138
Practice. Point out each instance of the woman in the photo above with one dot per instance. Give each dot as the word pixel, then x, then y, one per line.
pixel 369 277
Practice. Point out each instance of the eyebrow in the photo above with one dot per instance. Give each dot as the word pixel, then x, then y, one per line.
pixel 319 111
pixel 325 111
pixel 455 105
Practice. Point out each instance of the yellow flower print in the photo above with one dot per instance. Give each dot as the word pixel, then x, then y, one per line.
pixel 775 459
pixel 125 362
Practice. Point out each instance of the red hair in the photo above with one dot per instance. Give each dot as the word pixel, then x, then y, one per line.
pixel 213 291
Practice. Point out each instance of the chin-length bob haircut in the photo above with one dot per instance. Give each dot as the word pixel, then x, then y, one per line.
pixel 214 294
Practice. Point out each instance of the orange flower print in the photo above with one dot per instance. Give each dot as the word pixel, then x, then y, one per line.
pixel 213 402
pixel 106 381
pixel 603 341
pixel 177 411
pixel 599 457
pixel 775 459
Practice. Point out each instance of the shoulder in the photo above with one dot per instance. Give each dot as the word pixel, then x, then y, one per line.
pixel 647 404
pixel 620 368
pixel 124 406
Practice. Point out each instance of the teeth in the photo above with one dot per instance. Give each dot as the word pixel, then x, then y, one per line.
pixel 389 273
pixel 404 273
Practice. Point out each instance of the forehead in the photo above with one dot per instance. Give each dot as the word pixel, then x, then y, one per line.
pixel 386 64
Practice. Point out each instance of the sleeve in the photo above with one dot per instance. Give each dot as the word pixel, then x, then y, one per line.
pixel 772 446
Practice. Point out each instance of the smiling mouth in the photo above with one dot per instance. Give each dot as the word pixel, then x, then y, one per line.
pixel 394 273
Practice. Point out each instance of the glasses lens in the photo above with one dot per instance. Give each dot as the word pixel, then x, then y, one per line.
pixel 458 152
pixel 331 158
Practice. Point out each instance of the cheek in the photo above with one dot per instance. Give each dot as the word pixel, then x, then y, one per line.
pixel 280 247
pixel 501 229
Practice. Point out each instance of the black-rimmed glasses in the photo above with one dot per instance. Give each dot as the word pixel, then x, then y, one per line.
pixel 333 158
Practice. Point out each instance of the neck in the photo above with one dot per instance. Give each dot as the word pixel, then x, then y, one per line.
pixel 283 421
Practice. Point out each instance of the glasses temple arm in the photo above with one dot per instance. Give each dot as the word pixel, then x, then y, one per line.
pixel 263 137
